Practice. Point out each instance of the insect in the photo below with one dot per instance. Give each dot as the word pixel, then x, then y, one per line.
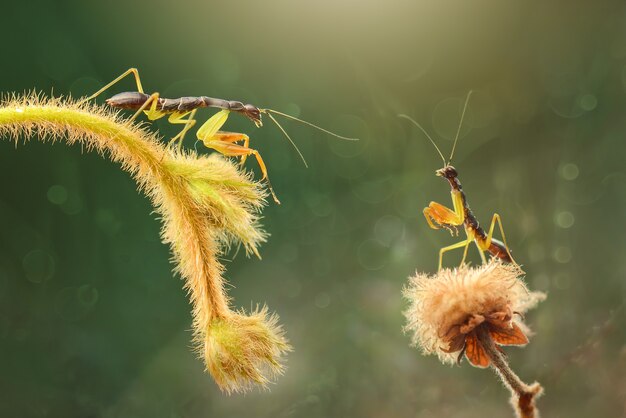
pixel 438 216
pixel 183 110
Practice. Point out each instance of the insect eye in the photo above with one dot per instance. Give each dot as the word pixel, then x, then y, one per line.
pixel 253 112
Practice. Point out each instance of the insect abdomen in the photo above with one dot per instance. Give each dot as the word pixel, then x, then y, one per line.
pixel 128 100
pixel 183 104
pixel 498 249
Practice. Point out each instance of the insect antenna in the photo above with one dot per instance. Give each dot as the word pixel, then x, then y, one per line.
pixel 425 133
pixel 458 132
pixel 288 138
pixel 276 112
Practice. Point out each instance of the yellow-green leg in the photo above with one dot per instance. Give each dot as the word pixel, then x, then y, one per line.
pixel 178 118
pixel 496 218
pixel 465 243
pixel 481 252
pixel 224 143
pixel 210 131
pixel 152 113
pixel 211 126
pixel 132 71
pixel 465 251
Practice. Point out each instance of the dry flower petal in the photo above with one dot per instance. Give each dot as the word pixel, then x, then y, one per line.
pixel 511 336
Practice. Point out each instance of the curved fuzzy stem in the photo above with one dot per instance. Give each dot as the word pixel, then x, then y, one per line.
pixel 206 203
pixel 142 156
pixel 522 395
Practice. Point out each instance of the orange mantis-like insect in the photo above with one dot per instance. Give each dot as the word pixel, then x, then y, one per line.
pixel 438 216
pixel 183 110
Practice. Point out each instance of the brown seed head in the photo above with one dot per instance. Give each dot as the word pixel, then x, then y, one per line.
pixel 446 308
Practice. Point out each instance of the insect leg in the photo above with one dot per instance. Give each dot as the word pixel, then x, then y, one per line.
pixel 231 138
pixel 430 218
pixel 210 130
pixel 132 71
pixel 465 243
pixel 211 126
pixel 496 218
pixel 246 143
pixel 177 118
pixel 465 251
pixel 230 149
pixel 438 216
pixel 235 137
pixel 224 143
pixel 481 252
pixel 151 113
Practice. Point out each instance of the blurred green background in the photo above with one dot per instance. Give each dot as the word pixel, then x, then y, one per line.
pixel 92 323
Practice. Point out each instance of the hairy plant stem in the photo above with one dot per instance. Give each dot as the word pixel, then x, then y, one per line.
pixel 148 161
pixel 206 204
pixel 522 395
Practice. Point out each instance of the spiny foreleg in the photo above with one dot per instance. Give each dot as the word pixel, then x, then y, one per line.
pixel 438 216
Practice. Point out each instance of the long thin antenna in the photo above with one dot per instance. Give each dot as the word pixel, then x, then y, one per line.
pixel 425 133
pixel 268 111
pixel 458 132
pixel 289 138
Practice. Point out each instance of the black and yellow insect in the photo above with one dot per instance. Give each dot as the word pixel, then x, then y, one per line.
pixel 183 110
pixel 438 216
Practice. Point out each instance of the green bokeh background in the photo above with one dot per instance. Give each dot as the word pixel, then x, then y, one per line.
pixel 92 323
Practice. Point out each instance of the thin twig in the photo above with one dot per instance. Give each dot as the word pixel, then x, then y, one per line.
pixel 522 395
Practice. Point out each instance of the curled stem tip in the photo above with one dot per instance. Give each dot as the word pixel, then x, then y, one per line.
pixel 243 349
